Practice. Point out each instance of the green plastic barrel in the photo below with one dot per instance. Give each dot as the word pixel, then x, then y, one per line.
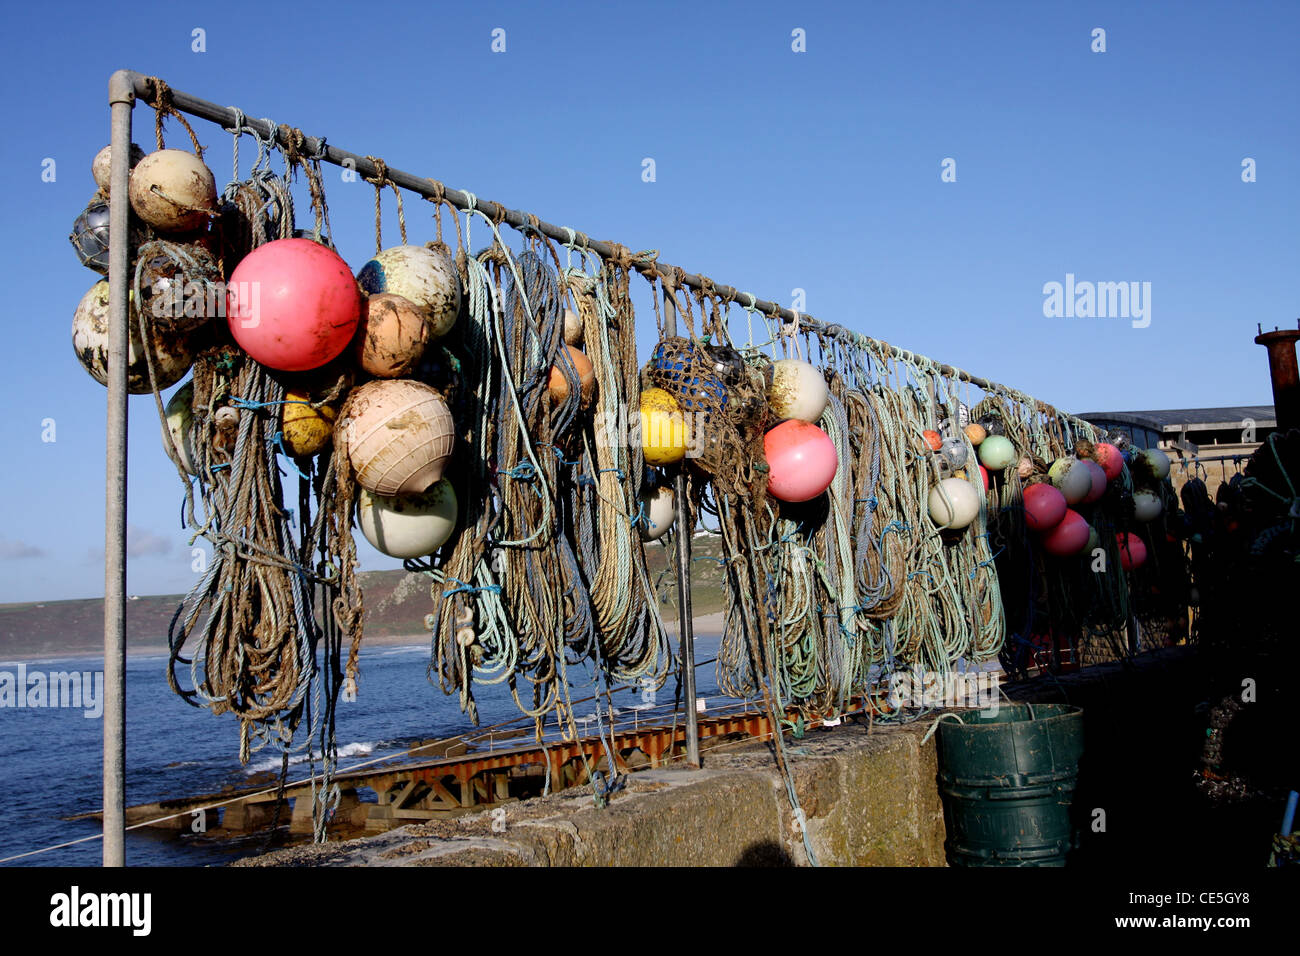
pixel 1007 781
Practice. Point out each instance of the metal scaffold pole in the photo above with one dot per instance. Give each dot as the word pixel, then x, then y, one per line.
pixel 685 623
pixel 227 117
pixel 121 98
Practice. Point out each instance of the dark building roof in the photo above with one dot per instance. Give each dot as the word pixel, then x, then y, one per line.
pixel 1178 420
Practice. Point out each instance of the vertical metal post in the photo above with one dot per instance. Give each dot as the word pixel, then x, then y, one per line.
pixel 685 624
pixel 121 98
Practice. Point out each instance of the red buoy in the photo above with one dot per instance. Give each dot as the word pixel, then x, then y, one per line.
pixel 1110 459
pixel 802 460
pixel 1044 506
pixel 1098 475
pixel 1068 537
pixel 1132 550
pixel 293 304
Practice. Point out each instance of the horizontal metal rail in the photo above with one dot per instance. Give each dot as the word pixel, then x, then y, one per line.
pixel 312 146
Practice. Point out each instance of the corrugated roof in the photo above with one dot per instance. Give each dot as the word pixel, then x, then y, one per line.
pixel 1193 419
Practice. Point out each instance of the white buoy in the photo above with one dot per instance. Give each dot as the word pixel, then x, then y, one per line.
pixel 426 277
pixel 173 190
pixel 180 421
pixel 1146 506
pixel 1158 462
pixel 172 353
pixel 1072 478
pixel 954 503
pixel 100 167
pixel 572 328
pixel 408 526
pixel 660 508
pixel 798 390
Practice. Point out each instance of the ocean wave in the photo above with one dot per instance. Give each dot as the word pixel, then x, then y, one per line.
pixel 272 764
pixel 397 650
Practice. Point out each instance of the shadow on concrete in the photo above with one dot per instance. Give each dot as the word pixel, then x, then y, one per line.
pixel 765 853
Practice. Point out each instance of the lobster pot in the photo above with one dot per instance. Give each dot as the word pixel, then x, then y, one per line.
pixel 399 436
pixel 1007 781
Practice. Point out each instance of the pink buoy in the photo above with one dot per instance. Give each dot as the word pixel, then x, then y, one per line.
pixel 1044 506
pixel 1069 537
pixel 802 461
pixel 1098 475
pixel 984 473
pixel 293 304
pixel 1132 550
pixel 1110 459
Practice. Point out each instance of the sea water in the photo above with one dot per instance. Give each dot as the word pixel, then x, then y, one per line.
pixel 52 757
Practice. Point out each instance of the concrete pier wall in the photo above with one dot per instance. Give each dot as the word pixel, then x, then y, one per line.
pixel 869 799
pixel 870 796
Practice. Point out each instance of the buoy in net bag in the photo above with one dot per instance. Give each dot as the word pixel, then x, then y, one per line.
pixel 181 285
pixel 1132 550
pixel 173 190
pixel 1069 475
pixel 558 384
pixel 728 365
pixel 801 459
pixel 798 390
pixel 663 428
pixel 976 433
pixel 172 352
pixel 954 452
pixel 1069 537
pixel 660 511
pixel 408 526
pixel 305 429
pixel 426 277
pixel 675 366
pixel 90 236
pixel 996 452
pixel 177 439
pixel 1045 506
pixel 399 436
pixel 933 440
pixel 954 503
pixel 293 304
pixel 391 336
pixel 1097 475
pixel 1110 459
pixel 1146 506
pixel 101 167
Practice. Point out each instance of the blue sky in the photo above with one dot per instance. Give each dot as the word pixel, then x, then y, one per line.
pixel 775 170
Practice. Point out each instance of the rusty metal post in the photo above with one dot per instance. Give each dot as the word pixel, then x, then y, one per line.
pixel 685 624
pixel 1282 370
pixel 121 98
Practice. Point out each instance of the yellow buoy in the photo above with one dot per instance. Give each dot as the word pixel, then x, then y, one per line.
pixel 663 428
pixel 306 429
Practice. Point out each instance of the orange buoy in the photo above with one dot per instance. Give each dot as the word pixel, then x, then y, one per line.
pixel 391 336
pixel 559 385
